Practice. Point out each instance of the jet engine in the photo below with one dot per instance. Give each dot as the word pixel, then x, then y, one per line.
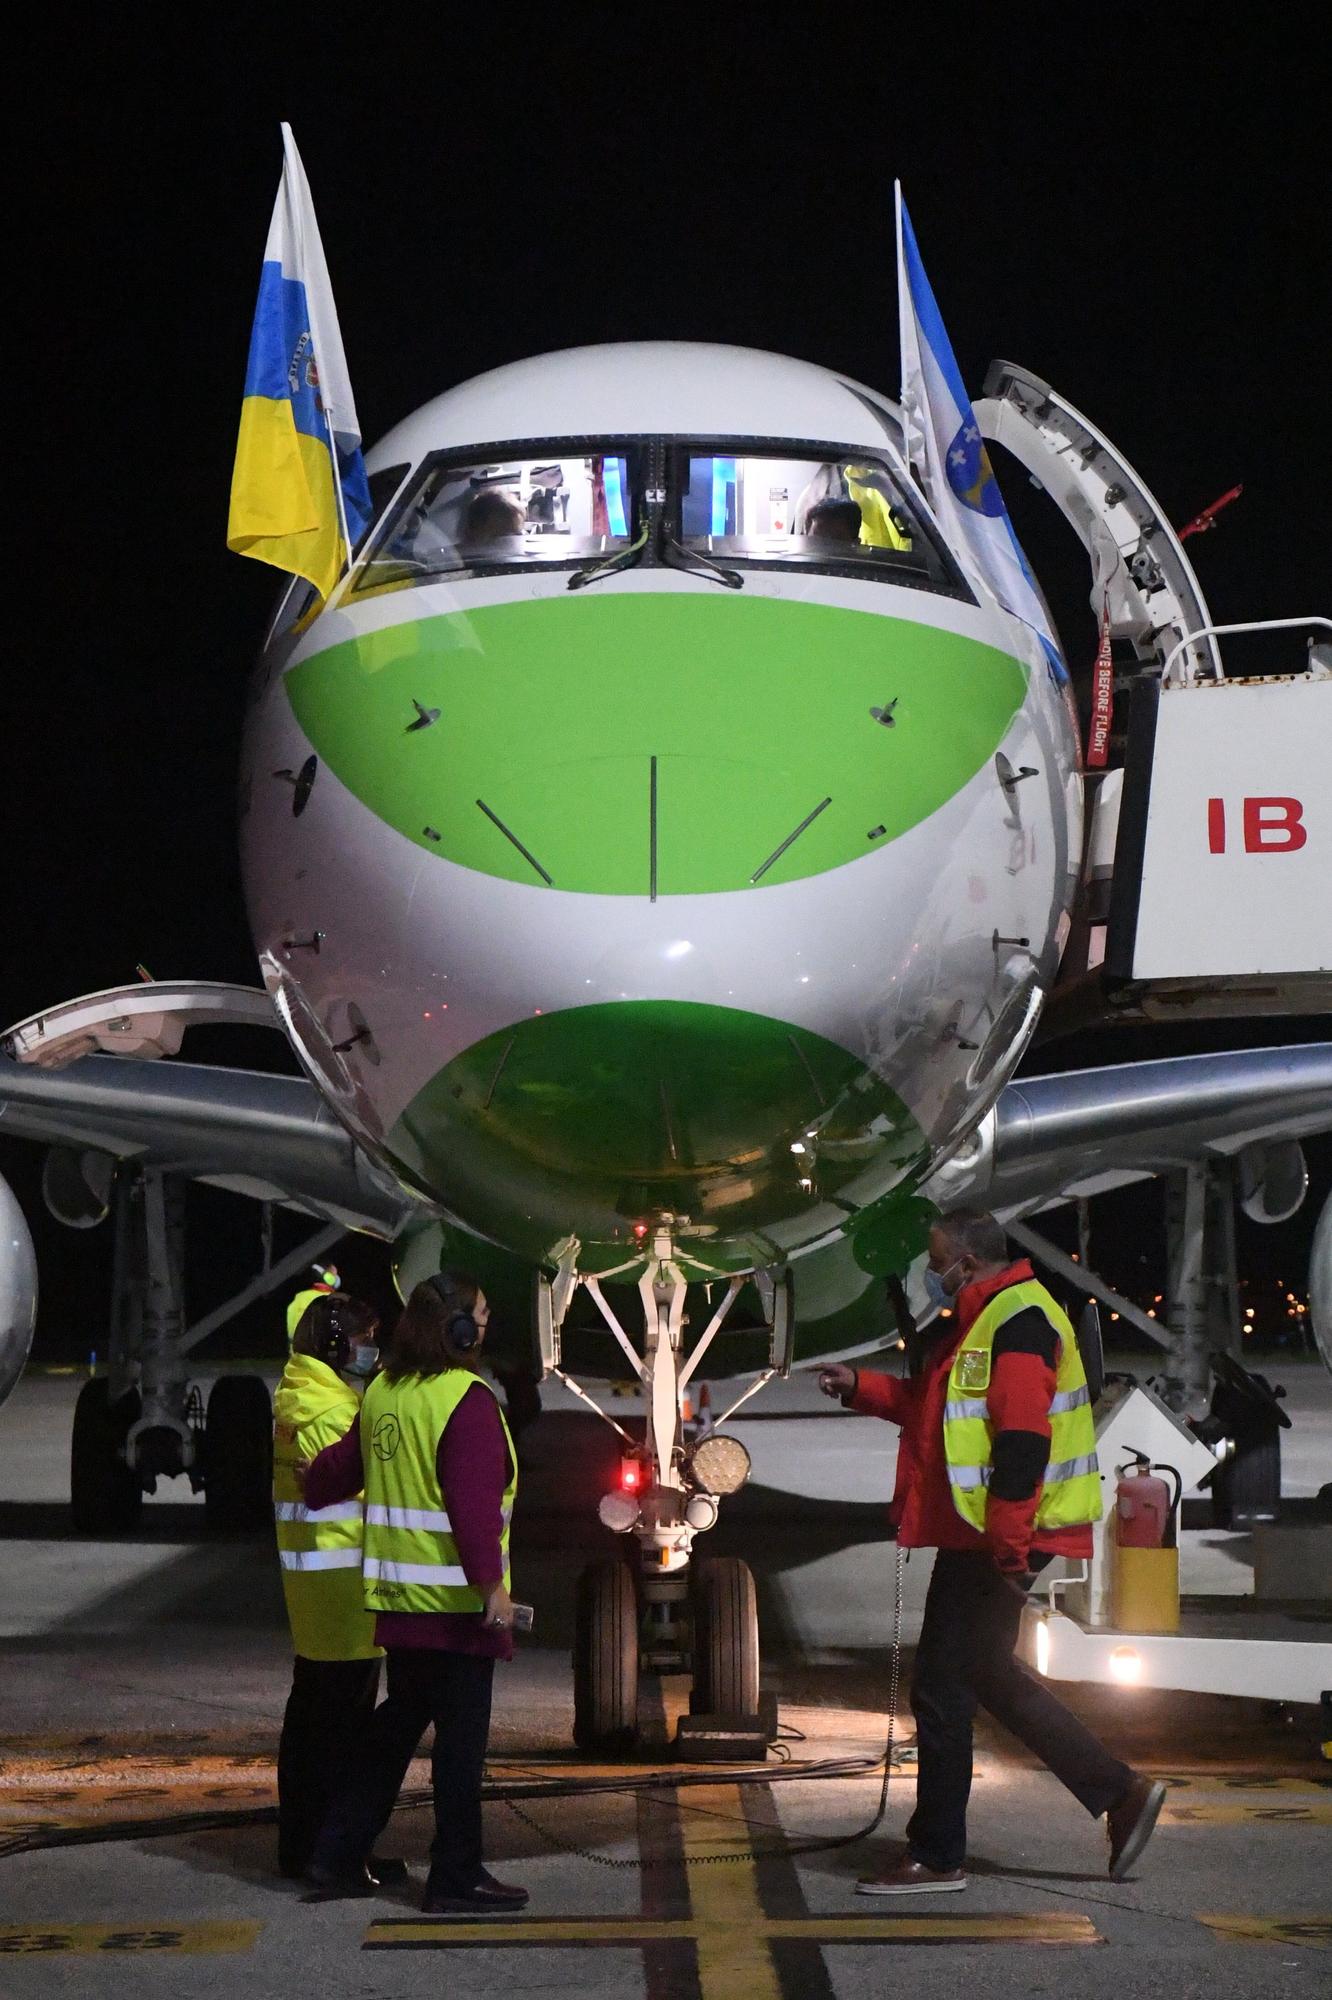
pixel 18 1289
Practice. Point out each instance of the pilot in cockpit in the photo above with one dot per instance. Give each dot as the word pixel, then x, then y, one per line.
pixel 492 516
pixel 834 522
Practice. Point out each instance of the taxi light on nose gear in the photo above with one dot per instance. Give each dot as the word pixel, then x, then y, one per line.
pixel 720 1464
pixel 618 1512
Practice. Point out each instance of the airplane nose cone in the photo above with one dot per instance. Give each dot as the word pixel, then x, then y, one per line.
pixel 595 1118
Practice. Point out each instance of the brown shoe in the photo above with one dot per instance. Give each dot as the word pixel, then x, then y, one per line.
pixel 906 1877
pixel 1130 1824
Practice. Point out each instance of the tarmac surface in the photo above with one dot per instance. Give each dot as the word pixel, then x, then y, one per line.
pixel 144 1678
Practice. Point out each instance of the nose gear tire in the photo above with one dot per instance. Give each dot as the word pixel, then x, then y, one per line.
pixel 605 1658
pixel 726 1638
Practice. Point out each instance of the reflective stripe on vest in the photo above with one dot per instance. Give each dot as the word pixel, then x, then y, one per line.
pixel 1071 1491
pixel 379 1570
pixel 296 1510
pixel 320 1558
pixel 411 1557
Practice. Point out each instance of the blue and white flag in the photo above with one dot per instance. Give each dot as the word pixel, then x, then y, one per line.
pixel 946 449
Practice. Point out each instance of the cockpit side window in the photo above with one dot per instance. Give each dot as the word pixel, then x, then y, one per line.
pixel 844 510
pixel 511 508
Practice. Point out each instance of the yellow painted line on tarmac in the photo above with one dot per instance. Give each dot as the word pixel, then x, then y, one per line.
pixel 39 1940
pixel 1245 1815
pixel 1315 1932
pixel 1234 1782
pixel 730 1926
pixel 445 1933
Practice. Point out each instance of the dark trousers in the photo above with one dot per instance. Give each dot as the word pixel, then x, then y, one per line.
pixel 330 1703
pixel 965 1658
pixel 452 1690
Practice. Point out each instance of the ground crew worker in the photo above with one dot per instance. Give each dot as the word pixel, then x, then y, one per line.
pixel 440 1474
pixel 335 1675
pixel 326 1281
pixel 996 1470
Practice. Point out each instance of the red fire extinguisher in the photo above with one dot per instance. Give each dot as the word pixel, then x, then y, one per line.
pixel 1145 1508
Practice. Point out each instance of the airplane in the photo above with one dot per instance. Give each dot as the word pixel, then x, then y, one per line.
pixel 660 853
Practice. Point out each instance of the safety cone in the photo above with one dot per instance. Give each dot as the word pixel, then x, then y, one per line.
pixel 686 1411
pixel 704 1409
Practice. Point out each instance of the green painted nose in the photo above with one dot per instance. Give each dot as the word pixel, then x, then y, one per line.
pixel 660 825
pixel 732 740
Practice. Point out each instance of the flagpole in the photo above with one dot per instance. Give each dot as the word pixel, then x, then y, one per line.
pixel 337 486
pixel 914 470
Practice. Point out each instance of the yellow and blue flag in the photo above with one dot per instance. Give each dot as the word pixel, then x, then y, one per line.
pixel 299 431
pixel 946 449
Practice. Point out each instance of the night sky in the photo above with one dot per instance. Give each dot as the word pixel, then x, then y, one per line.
pixel 1139 211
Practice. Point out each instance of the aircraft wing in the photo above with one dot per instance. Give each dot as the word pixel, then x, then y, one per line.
pixel 1047 1140
pixel 1051 1139
pixel 271 1137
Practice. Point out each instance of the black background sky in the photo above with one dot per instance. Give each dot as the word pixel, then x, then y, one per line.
pixel 1138 209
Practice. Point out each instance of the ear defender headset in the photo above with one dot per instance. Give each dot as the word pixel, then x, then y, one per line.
pixel 343 1324
pixel 461 1327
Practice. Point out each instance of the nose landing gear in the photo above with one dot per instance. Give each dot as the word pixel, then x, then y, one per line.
pixel 657 1610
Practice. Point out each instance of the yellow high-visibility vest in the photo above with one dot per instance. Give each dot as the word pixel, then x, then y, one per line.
pixel 320 1551
pixel 411 1560
pixel 878 528
pixel 1071 1493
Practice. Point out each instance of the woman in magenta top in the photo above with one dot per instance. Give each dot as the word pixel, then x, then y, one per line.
pixel 440 1664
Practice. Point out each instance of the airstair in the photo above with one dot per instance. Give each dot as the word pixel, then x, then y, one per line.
pixel 1208 845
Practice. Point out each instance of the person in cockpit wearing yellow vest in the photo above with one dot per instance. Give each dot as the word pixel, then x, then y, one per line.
pixel 440 1473
pixel 326 1281
pixel 335 1676
pixel 997 1471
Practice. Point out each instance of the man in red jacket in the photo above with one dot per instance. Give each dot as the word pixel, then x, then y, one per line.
pixel 982 1572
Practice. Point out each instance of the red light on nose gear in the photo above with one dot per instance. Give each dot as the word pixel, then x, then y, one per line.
pixel 631 1475
pixel 640 1230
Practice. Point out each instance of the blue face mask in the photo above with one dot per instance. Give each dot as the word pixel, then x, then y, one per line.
pixel 935 1289
pixel 362 1361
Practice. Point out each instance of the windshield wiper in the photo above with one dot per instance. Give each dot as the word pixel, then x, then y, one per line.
pixel 675 556
pixel 611 565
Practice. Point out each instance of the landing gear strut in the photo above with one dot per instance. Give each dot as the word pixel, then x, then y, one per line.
pixel 143 1421
pixel 664 1612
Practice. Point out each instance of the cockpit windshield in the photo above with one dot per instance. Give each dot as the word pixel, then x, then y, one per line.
pixel 715 508
pixel 505 512
pixel 849 510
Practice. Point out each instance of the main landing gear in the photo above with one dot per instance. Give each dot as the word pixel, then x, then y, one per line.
pixel 143 1420
pixel 657 1609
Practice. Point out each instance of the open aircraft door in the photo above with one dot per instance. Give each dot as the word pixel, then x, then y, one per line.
pixel 1209 831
